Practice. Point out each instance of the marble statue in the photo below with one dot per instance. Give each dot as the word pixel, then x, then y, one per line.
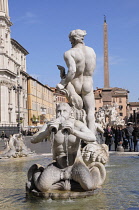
pixel 78 83
pixel 71 166
pixel 15 147
pixel 100 117
pixel 78 160
pixel 109 115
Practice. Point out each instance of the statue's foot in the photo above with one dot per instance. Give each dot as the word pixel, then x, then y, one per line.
pixel 33 169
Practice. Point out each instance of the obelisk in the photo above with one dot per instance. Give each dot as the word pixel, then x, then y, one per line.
pixel 106 92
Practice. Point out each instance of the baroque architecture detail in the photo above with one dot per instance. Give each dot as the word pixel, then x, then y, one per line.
pixel 12 72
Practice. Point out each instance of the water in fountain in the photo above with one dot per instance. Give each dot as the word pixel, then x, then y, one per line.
pixel 66 134
pixel 120 190
pixel 52 137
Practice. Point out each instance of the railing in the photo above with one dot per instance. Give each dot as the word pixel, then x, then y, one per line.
pixel 8 129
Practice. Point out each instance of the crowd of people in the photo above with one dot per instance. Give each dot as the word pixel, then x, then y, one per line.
pixel 128 137
pixel 27 132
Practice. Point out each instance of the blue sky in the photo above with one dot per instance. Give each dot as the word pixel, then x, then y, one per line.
pixel 42 28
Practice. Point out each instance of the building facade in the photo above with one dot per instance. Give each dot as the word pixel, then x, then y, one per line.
pixel 133 112
pixel 118 96
pixel 13 77
pixel 41 102
pixel 59 96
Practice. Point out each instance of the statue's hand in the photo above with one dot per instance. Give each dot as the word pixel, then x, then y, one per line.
pixel 99 157
pixel 53 125
pixel 60 86
pixel 68 127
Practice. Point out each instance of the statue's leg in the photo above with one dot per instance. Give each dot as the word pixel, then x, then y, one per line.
pixel 89 103
pixel 90 177
pixel 98 172
pixel 36 168
pixel 44 179
pixel 82 175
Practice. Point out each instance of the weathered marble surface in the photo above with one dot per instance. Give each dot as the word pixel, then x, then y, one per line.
pixel 78 82
pixel 15 147
pixel 73 167
pixel 78 160
pixel 109 115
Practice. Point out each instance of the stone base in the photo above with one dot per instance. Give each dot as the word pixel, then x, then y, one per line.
pixel 55 195
pixel 120 148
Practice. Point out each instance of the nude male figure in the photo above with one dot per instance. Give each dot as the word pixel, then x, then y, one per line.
pixel 75 169
pixel 81 62
pixel 76 130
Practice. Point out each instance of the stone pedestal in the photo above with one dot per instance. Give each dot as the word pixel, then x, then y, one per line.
pixel 120 148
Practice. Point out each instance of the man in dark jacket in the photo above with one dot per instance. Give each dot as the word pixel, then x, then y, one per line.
pixel 119 135
pixel 108 134
pixel 136 138
pixel 3 135
pixel 129 135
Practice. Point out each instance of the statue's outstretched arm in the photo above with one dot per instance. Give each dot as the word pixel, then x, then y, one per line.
pixel 79 130
pixel 71 64
pixel 40 135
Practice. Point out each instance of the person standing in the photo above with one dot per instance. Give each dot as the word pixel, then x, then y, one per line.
pixel 108 136
pixel 128 132
pixel 3 135
pixel 119 135
pixel 136 138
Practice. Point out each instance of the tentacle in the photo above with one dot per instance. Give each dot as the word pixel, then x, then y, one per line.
pixel 45 179
pixel 98 173
pixel 82 175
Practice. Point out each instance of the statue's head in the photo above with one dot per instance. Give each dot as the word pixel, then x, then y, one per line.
pixel 64 111
pixel 77 36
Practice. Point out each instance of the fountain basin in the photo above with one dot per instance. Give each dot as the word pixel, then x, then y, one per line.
pixel 54 195
pixel 119 191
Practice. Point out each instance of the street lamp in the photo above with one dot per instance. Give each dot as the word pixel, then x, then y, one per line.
pixel 18 89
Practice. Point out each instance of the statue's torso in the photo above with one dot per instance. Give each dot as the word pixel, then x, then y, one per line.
pixel 60 144
pixel 61 150
pixel 85 60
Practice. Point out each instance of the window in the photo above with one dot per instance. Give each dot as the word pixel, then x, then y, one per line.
pixel 120 100
pixel 35 83
pixel 121 114
pixel 120 107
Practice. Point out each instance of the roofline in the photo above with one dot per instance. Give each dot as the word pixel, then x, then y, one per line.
pixel 14 42
pixel 133 103
pixel 24 72
pixel 30 77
